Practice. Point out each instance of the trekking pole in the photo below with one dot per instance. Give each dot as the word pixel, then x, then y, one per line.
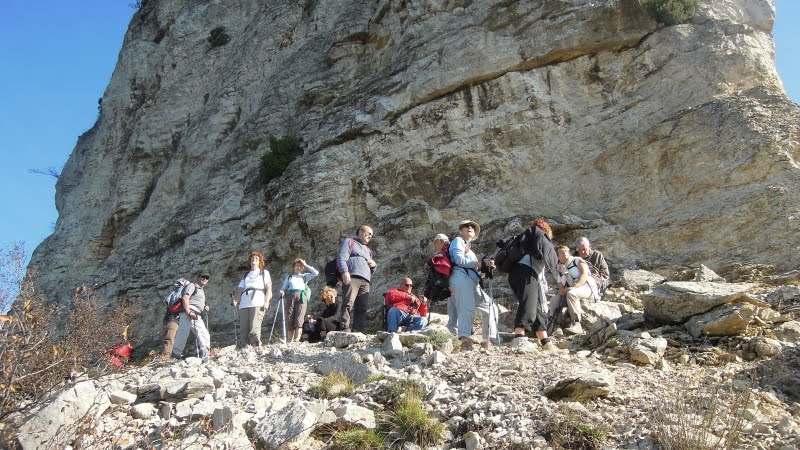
pixel 278 307
pixel 493 310
pixel 208 330
pixel 235 319
pixel 283 322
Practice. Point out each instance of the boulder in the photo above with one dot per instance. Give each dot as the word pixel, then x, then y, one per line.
pixel 183 388
pixel 221 417
pixel 355 415
pixel 340 339
pixel 392 346
pixel 582 387
pixel 639 280
pixel 642 355
pixel 281 427
pixel 788 332
pixel 593 312
pixel 766 347
pixel 703 273
pixel 143 411
pixel 630 321
pixel 730 320
pixel 121 397
pixel 46 428
pixel 674 302
pixel 347 363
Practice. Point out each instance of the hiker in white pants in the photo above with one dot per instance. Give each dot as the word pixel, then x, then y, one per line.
pixel 194 303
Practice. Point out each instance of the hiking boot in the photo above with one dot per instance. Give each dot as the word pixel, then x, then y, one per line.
pixel 466 345
pixel 486 345
pixel 574 329
pixel 549 347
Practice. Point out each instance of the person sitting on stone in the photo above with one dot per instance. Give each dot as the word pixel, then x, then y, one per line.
pixel 597 263
pixel 575 284
pixel 405 308
pixel 317 329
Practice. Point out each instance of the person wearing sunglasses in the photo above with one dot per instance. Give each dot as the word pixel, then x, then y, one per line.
pixel 194 304
pixel 405 308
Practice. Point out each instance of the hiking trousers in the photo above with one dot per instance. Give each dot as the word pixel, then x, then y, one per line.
pixel 250 319
pixel 352 312
pixel 170 330
pixel 196 327
pixel 573 298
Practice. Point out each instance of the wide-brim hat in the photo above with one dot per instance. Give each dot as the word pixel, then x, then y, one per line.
pixel 204 273
pixel 474 225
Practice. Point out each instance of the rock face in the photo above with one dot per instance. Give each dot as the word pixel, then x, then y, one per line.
pixel 413 116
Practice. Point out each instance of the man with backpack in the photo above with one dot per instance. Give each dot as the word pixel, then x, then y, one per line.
pixel 194 304
pixel 354 261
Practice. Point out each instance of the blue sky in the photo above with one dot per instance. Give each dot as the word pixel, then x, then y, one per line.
pixel 58 58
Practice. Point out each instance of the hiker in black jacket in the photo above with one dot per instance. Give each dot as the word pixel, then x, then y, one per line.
pixel 528 283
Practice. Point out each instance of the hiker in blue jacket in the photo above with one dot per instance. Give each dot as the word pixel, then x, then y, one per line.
pixel 355 263
pixel 465 284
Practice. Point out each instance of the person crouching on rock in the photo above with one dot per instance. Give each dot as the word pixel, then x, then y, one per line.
pixel 576 284
pixel 528 283
pixel 405 308
pixel 318 328
pixel 297 293
pixel 252 298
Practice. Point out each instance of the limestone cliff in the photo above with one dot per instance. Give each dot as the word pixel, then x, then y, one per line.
pixel 663 144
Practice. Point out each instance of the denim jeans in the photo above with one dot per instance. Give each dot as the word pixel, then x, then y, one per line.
pixel 396 318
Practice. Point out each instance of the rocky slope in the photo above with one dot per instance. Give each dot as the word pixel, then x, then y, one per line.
pixel 628 382
pixel 664 145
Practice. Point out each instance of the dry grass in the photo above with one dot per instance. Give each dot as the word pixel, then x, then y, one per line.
pixel 569 431
pixel 336 384
pixel 44 345
pixel 705 417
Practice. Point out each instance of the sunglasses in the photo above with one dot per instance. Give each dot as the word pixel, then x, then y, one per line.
pixel 205 278
pixel 407 284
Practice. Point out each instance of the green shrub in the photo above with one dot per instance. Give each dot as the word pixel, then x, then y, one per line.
pixel 672 12
pixel 334 385
pixel 568 432
pixel 403 389
pixel 218 37
pixel 438 338
pixel 274 162
pixel 409 422
pixel 356 439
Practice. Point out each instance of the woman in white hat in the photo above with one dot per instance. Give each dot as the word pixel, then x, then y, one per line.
pixel 465 284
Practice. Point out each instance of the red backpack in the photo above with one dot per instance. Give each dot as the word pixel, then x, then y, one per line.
pixel 442 264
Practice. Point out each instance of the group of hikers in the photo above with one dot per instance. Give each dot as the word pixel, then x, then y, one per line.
pixel 455 274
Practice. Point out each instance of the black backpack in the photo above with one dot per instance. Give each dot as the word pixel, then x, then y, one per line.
pixel 332 274
pixel 437 286
pixel 510 252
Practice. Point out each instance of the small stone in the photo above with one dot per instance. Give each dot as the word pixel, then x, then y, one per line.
pixel 121 398
pixel 143 411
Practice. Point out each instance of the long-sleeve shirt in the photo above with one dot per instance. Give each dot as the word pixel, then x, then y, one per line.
pixel 297 282
pixel 353 257
pixel 536 244
pixel 464 258
pixel 404 301
pixel 598 266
